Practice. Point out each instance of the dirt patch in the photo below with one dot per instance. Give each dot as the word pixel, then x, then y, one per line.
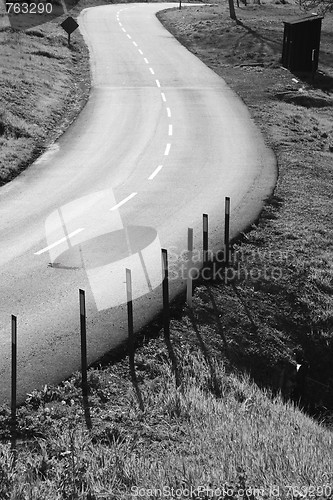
pixel 303 97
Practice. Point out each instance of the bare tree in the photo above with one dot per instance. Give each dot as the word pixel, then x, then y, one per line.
pixel 320 6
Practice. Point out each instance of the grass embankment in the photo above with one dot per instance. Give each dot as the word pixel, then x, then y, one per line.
pixel 217 429
pixel 44 85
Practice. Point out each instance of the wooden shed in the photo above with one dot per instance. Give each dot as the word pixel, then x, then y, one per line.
pixel 301 43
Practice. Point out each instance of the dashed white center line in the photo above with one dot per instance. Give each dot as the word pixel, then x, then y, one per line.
pixel 156 171
pixel 123 201
pixel 167 149
pixel 170 132
pixel 65 238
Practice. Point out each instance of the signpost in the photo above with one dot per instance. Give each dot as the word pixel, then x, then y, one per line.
pixel 69 25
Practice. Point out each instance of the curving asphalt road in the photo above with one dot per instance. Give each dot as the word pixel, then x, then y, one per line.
pixel 161 141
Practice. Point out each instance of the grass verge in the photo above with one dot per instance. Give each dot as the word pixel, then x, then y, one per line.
pixel 216 432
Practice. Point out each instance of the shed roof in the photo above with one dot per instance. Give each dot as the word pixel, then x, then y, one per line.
pixel 303 19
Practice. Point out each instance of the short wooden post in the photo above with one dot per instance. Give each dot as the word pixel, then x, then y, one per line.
pixel 226 229
pixel 131 339
pixel 14 383
pixel 189 267
pixel 205 238
pixel 165 288
pixel 130 315
pixel 83 330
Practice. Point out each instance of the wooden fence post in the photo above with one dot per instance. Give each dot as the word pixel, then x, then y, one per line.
pixel 226 230
pixel 205 238
pixel 165 288
pixel 189 267
pixel 83 330
pixel 14 383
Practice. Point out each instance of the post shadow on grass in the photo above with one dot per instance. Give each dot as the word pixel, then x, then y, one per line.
pixel 254 327
pixel 216 389
pixel 166 316
pixel 131 339
pixel 218 321
pixel 276 47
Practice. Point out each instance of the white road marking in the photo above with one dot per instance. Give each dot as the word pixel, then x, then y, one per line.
pixel 170 130
pixel 163 96
pixel 140 52
pixel 129 36
pixel 65 238
pixel 135 44
pixel 123 30
pixel 169 112
pixel 146 60
pixel 157 83
pixel 152 71
pixel 123 201
pixel 167 149
pixel 156 171
pixel 120 24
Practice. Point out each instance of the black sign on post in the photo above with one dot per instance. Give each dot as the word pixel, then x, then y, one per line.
pixel 69 25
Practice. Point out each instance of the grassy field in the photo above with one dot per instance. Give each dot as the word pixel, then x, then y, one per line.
pixel 218 429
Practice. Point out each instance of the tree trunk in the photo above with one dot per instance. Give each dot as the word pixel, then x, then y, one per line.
pixel 232 10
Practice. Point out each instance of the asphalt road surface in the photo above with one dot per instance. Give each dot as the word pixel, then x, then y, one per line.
pixel 161 141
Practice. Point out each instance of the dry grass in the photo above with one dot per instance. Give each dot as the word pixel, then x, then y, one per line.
pixel 186 438
pixel 44 84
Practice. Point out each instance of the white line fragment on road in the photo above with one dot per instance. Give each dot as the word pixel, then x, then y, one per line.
pixel 169 112
pixel 167 149
pixel 156 171
pixel 123 30
pixel 158 83
pixel 152 71
pixel 129 36
pixel 140 52
pixel 65 238
pixel 135 44
pixel 170 130
pixel 146 60
pixel 120 24
pixel 163 96
pixel 123 201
